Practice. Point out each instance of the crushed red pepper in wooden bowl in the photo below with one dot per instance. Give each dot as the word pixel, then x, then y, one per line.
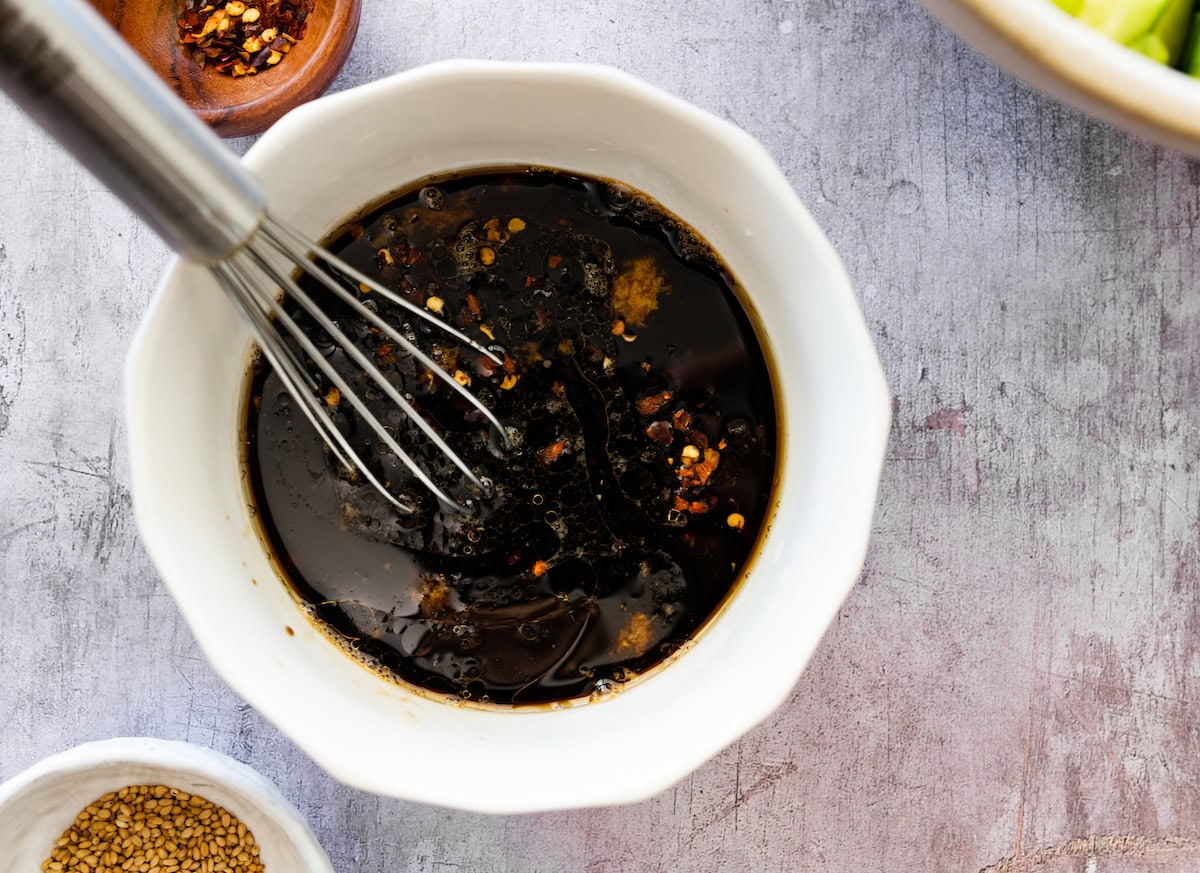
pixel 240 38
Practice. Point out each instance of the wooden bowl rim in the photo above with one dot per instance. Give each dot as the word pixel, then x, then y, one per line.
pixel 276 92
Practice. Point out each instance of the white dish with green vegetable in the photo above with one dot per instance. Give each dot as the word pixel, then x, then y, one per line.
pixel 1134 63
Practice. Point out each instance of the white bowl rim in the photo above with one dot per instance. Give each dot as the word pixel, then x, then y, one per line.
pixel 875 422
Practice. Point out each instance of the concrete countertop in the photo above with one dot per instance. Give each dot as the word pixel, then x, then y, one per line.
pixel 1017 671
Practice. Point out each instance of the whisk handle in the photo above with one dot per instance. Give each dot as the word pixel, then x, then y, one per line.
pixel 63 64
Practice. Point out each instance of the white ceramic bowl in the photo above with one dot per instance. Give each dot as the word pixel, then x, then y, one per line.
pixel 36 806
pixel 1054 52
pixel 320 164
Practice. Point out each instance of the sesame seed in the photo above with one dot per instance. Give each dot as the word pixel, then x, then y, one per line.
pixel 154 829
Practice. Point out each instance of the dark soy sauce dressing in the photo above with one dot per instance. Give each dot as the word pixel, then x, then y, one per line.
pixel 643 408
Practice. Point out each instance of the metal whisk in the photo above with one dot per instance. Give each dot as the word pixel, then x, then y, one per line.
pixel 66 67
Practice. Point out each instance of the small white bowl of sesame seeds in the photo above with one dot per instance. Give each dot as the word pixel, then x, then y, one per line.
pixel 164 806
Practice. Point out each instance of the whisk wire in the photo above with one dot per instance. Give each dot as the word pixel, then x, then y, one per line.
pixel 237 284
pixel 275 351
pixel 299 248
pixel 298 295
pixel 300 257
pixel 283 318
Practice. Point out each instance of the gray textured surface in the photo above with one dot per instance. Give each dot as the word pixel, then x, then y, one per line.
pixel 1018 667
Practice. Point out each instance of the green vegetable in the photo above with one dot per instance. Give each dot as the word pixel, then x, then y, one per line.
pixel 1190 61
pixel 1124 20
pixel 1156 28
pixel 1165 42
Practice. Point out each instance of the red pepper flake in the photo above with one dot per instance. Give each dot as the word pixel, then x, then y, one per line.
pixel 703 471
pixel 385 353
pixel 550 453
pixel 242 37
pixel 553 261
pixel 540 568
pixel 406 254
pixel 652 404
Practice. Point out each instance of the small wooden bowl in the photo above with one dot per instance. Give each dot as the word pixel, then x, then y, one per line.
pixel 250 104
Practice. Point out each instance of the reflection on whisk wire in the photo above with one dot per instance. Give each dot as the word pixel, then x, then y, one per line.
pixel 270 321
